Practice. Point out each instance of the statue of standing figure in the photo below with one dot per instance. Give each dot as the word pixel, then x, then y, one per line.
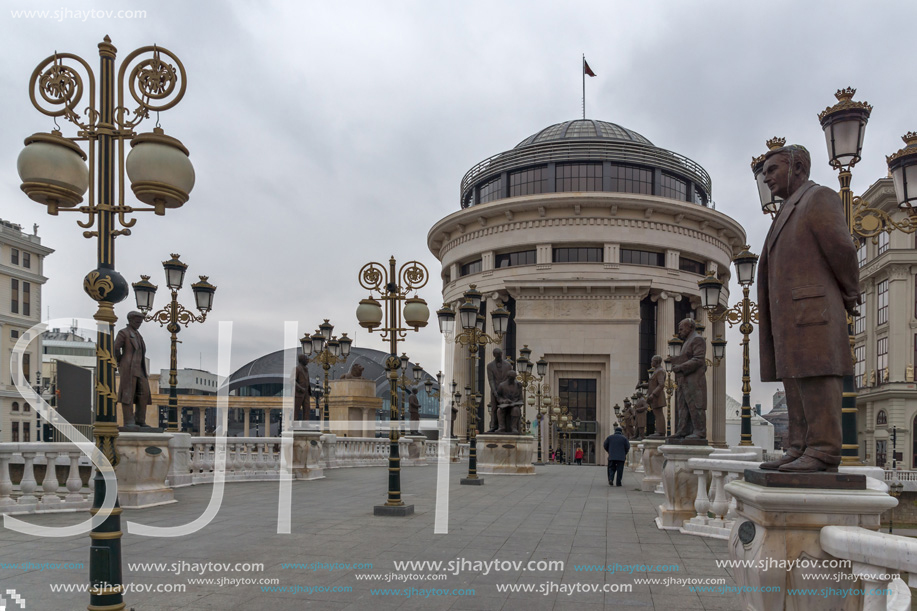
pixel 509 404
pixel 302 388
pixel 627 418
pixel 640 408
pixel 497 370
pixel 690 367
pixel 656 396
pixel 414 411
pixel 130 353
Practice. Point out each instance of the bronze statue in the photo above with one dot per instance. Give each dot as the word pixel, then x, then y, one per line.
pixel 509 404
pixel 414 411
pixel 130 353
pixel 628 418
pixel 656 396
pixel 355 373
pixel 690 367
pixel 808 282
pixel 497 371
pixel 640 407
pixel 455 412
pixel 302 388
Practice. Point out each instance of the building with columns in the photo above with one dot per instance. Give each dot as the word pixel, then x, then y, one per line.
pixel 594 239
pixel 21 265
pixel 885 348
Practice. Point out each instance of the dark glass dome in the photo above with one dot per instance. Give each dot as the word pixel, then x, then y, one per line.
pixel 584 128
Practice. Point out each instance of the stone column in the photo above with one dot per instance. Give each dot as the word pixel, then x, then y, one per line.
pixel 246 415
pixel 665 322
pixel 201 421
pixel 680 484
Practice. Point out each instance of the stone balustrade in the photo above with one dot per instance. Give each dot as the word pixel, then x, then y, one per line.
pixel 28 495
pixel 712 498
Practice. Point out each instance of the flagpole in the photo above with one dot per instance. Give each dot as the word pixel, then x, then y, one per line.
pixel 584 85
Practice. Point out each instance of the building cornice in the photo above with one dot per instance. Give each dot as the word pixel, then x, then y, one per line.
pixel 22 274
pixel 23 241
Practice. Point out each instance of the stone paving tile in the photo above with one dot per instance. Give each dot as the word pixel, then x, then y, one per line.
pixel 566 514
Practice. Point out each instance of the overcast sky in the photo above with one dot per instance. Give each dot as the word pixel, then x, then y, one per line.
pixel 325 135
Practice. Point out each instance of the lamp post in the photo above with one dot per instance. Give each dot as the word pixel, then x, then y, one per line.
pixel 744 314
pixel 474 338
pixel 173 316
pixel 393 288
pixel 526 377
pixel 54 173
pixel 326 350
pixel 669 389
pixel 437 394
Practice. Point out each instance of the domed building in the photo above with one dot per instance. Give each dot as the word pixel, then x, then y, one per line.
pixel 594 239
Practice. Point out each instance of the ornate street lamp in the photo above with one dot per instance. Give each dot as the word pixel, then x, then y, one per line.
pixel 393 288
pixel 54 173
pixel 744 314
pixel 327 350
pixel 770 203
pixel 173 316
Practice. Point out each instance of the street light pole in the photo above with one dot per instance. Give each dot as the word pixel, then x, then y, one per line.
pixel 328 350
pixel 54 173
pixel 392 288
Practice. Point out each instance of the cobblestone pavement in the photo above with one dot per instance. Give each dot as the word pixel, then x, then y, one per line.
pixel 345 557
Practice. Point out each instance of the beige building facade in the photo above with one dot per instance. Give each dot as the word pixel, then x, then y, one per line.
pixel 885 346
pixel 595 240
pixel 21 278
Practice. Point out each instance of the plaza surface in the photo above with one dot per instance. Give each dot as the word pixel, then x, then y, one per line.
pixel 564 513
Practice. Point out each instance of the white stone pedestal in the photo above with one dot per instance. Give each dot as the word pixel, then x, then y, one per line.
pixel 307 454
pixel 652 464
pixel 777 526
pixel 143 465
pixel 680 485
pixel 412 451
pixel 180 468
pixel 329 450
pixel 505 454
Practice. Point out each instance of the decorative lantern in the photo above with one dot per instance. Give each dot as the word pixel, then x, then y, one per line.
pixel 144 291
pixel 175 272
pixel 845 126
pixel 160 172
pixel 53 171
pixel 203 294
pixel 710 288
pixel 416 312
pixel 745 263
pixel 903 168
pixel 446 318
pixel 369 313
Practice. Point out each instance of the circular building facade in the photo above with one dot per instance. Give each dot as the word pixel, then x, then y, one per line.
pixel 594 239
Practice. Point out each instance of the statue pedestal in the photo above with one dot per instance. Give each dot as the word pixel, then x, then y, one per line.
pixel 505 454
pixel 143 466
pixel 680 484
pixel 412 450
pixel 652 464
pixel 777 526
pixel 307 454
pixel 180 468
pixel 352 407
pixel 638 460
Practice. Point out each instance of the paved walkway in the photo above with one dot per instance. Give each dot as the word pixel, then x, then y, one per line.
pixel 565 513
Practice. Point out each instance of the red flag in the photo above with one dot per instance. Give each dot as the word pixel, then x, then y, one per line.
pixel 587 69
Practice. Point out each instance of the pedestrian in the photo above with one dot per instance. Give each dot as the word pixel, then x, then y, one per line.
pixel 617 446
pixel 578 456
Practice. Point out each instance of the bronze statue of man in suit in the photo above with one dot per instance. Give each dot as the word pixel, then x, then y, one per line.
pixel 509 404
pixel 690 367
pixel 640 408
pixel 303 389
pixel 808 281
pixel 497 371
pixel 414 411
pixel 134 391
pixel 655 396
pixel 628 419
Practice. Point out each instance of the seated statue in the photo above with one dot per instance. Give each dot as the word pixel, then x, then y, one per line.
pixel 509 404
pixel 355 373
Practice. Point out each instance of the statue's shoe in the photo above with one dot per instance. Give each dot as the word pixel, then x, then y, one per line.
pixel 807 464
pixel 774 465
pixel 693 436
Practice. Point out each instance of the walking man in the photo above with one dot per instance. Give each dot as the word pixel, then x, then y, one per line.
pixel 617 447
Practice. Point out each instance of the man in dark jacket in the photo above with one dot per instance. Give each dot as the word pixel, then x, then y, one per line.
pixel 617 447
pixel 808 282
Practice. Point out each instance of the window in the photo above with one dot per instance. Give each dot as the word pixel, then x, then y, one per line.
pixel 883 242
pixel 642 257
pixel 861 252
pixel 14 334
pixel 26 365
pixel 690 265
pixel 859 322
pixel 14 296
pixel 859 366
pixel 631 179
pixel 882 303
pixel 25 432
pixel 881 446
pixel 579 395
pixel 27 260
pixel 26 299
pixel 881 418
pixel 881 360
pixel 578 177
pixel 528 182
pixel 511 259
pixel 674 188
pixel 474 267
pixel 491 190
pixel 15 406
pixel 14 256
pixel 585 254
pixel 26 407
pixel 15 431
pixel 699 196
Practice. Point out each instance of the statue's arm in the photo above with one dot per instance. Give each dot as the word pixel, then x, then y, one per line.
pixel 827 224
pixel 118 347
pixel 694 359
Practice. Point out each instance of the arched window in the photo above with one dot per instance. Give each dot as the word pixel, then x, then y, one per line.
pixel 15 406
pixel 881 418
